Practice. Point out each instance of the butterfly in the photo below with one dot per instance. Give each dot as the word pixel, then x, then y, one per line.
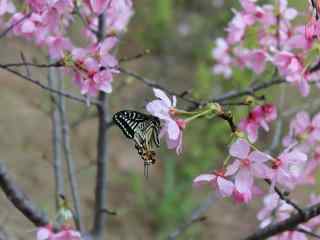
pixel 315 5
pixel 144 130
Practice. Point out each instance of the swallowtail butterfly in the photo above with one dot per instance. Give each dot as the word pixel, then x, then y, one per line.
pixel 143 129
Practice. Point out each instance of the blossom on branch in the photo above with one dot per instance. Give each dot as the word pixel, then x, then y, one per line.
pixel 260 116
pixel 164 109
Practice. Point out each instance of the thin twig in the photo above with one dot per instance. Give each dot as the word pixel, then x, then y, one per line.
pixel 36 65
pixel 18 198
pixel 72 175
pixel 312 234
pixel 43 86
pixel 246 92
pixel 153 84
pixel 284 197
pixel 56 137
pixel 8 29
pixel 28 72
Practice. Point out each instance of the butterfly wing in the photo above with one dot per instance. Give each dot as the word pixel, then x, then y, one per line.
pixel 128 121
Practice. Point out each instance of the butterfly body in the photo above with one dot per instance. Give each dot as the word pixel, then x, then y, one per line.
pixel 143 129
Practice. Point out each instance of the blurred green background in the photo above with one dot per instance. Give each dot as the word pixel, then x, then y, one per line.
pixel 180 35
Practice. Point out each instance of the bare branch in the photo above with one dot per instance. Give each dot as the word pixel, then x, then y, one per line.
pixel 102 155
pixel 56 137
pixel 17 197
pixel 43 86
pixel 246 92
pixel 70 161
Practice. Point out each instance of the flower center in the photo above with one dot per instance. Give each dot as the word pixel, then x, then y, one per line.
pixel 246 162
pixel 258 14
pixel 219 173
pixel 310 129
pixel 276 163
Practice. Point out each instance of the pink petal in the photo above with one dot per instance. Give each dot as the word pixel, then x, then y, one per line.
pixel 239 149
pixel 203 178
pixel 316 120
pixel 173 130
pixel 258 156
pixel 160 94
pixel 43 233
pixel 243 181
pixel 225 187
pixel 252 130
pixel 232 168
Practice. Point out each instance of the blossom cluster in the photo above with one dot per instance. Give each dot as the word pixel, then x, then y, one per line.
pixel 261 35
pixel 294 166
pixel 46 23
pixel 47 233
pixel 276 210
pixel 260 116
pixel 173 126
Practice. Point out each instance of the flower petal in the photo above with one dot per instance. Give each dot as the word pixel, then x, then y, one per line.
pixel 203 178
pixel 239 149
pixel 225 186
pixel 244 181
pixel 160 94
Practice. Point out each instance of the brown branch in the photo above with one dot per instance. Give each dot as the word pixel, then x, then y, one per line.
pixel 8 29
pixel 56 136
pixel 23 64
pixel 45 87
pixel 153 84
pixel 286 225
pixel 17 197
pixel 102 155
pixel 246 92
pixel 284 197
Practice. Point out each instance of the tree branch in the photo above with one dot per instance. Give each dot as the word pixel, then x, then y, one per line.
pixel 102 154
pixel 72 175
pixel 8 29
pixel 20 200
pixel 43 86
pixel 56 137
pixel 287 225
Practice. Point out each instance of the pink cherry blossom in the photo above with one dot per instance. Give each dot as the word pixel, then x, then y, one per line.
pixel 164 109
pixel 46 233
pixel 256 60
pixel 221 55
pixel 217 180
pixel 260 116
pixel 6 6
pixel 236 28
pixel 246 166
pixel 312 29
pixel 119 13
pixel 283 168
pixel 57 46
pixel 303 129
pixel 291 67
